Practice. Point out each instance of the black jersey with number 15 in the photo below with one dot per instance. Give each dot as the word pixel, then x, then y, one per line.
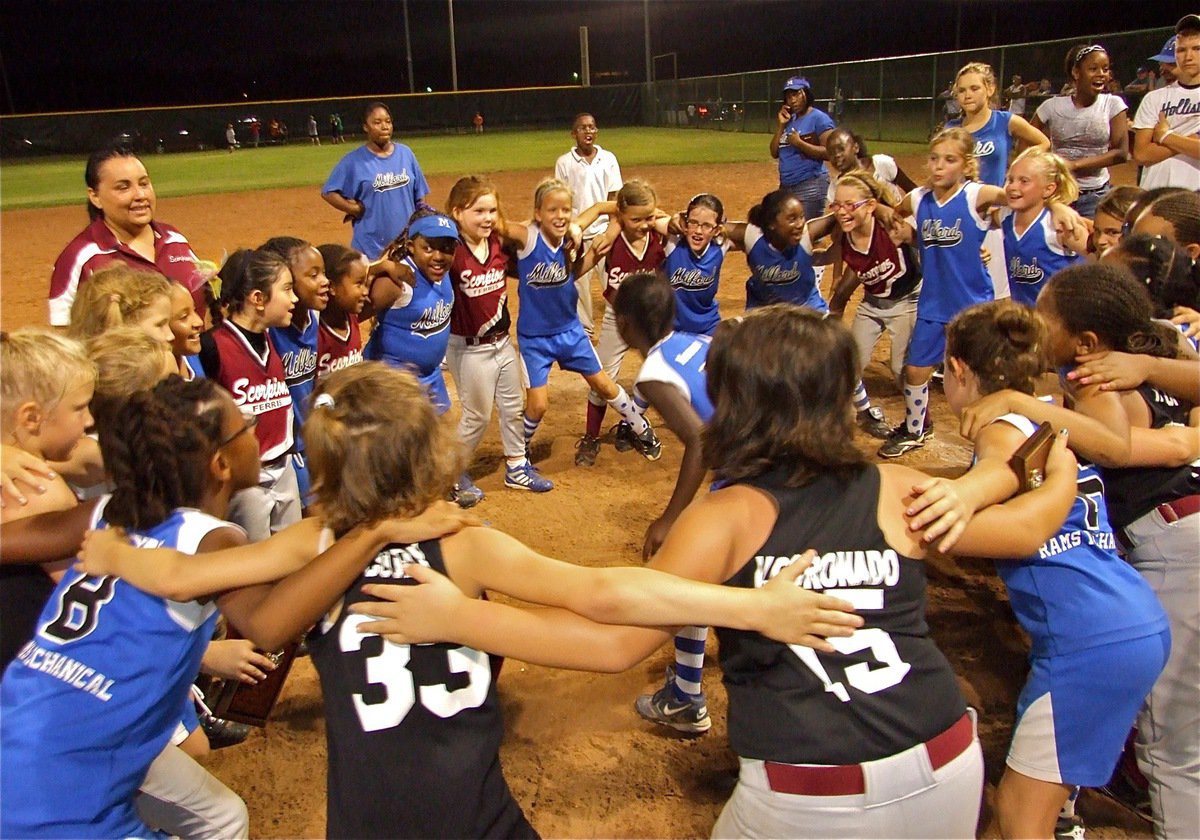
pixel 889 687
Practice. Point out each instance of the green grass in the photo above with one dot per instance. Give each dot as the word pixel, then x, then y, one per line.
pixel 49 183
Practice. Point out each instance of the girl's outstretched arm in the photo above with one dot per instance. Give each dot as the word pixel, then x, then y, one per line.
pixel 681 419
pixel 591 214
pixel 46 537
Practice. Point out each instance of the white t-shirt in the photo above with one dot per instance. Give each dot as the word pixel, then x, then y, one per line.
pixel 590 182
pixel 1182 107
pixel 1016 104
pixel 1077 133
pixel 885 171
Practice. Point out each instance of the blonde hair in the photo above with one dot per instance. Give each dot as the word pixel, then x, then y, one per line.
pixel 113 297
pixel 983 70
pixel 868 185
pixel 965 142
pixel 126 360
pixel 376 446
pixel 40 366
pixel 545 187
pixel 636 193
pixel 1055 170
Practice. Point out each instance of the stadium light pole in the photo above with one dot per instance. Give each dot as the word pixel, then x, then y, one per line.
pixel 453 53
pixel 412 83
pixel 646 28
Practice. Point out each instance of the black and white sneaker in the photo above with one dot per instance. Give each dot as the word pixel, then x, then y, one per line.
pixel 873 422
pixel 901 440
pixel 662 707
pixel 623 437
pixel 586 451
pixel 1069 828
pixel 647 444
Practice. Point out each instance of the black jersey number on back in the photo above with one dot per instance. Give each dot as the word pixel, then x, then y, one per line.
pixel 79 608
pixel 389 669
pixel 860 675
pixel 1091 491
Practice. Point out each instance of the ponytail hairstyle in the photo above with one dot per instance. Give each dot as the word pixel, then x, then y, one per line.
pixel 646 300
pixel 40 366
pixel 1001 342
pixel 1169 274
pixel 867 184
pixel 964 142
pixel 91 172
pixel 1055 170
pixel 113 297
pixel 1104 298
pixel 1077 54
pixel 1182 211
pixel 126 360
pixel 547 186
pixel 338 260
pixel 985 71
pixel 764 214
pixel 376 446
pixel 635 193
pixel 781 380
pixel 157 450
pixel 243 273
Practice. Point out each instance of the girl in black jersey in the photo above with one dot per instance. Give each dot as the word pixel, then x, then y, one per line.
pixel 866 736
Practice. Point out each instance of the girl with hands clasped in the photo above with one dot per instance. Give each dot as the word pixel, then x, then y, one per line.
pixel 1098 635
pixel 886 702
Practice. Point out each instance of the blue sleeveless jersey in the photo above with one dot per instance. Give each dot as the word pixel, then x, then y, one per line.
pixel 197 369
pixel 776 276
pixel 95 696
pixel 298 352
pixel 992 145
pixel 1076 593
pixel 545 286
pixel 415 334
pixel 695 278
pixel 1033 257
pixel 950 236
pixel 679 360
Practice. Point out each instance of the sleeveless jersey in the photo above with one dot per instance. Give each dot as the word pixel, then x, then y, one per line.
pixel 480 290
pixel 258 385
pixel 1076 593
pixel 194 370
pixel 695 279
pixel 623 261
pixel 415 332
pixel 678 360
pixel 992 145
pixel 780 276
pixel 546 287
pixel 1033 256
pixel 298 352
pixel 888 271
pixel 337 350
pixel 425 717
pixel 888 689
pixel 1135 491
pixel 90 702
pixel 950 235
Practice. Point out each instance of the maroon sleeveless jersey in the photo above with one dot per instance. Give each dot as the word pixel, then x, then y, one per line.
pixel 258 386
pixel 480 290
pixel 622 261
pixel 887 270
pixel 337 350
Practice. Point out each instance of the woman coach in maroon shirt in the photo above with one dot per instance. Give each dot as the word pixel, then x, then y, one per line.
pixel 121 205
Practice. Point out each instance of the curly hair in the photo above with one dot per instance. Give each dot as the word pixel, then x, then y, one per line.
pixel 781 381
pixel 376 447
pixel 1001 342
pixel 157 450
pixel 113 297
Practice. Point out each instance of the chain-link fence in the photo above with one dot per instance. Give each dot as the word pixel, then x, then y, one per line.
pixel 896 99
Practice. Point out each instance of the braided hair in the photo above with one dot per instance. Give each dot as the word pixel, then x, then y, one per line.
pixel 1164 268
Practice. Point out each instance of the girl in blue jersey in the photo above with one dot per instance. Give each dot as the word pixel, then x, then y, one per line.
pixel 693 265
pixel 297 342
pixel 1099 637
pixel 1033 249
pixel 412 303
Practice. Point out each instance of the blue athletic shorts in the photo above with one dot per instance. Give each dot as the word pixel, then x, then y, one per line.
pixel 927 346
pixel 1076 709
pixel 570 348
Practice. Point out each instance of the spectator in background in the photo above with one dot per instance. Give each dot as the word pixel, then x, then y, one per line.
pixel 799 146
pixel 477 121
pixel 1142 82
pixel 1167 123
pixel 339 130
pixel 377 186
pixel 314 136
pixel 1088 128
pixel 275 130
pixel 255 131
pixel 951 110
pixel 1166 64
pixel 1015 97
pixel 230 137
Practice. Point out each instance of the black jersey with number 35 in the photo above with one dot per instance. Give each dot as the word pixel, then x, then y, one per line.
pixel 889 687
pixel 413 731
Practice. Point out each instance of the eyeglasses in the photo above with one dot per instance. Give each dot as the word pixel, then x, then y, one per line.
pixel 848 206
pixel 249 422
pixel 703 227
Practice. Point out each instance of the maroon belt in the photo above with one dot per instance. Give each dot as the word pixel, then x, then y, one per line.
pixel 848 779
pixel 475 340
pixel 1171 511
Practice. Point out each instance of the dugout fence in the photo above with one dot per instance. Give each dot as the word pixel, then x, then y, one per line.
pixel 891 99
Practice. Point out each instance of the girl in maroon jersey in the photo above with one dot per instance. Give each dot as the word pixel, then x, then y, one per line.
pixel 339 338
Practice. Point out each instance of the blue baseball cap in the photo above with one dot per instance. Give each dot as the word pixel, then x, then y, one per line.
pixel 1167 55
pixel 799 83
pixel 434 227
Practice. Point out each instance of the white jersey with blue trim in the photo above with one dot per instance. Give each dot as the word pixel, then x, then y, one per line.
pixel 545 285
pixel 950 234
pixel 679 360
pixel 695 279
pixel 92 699
pixel 776 276
pixel 1033 256
pixel 415 332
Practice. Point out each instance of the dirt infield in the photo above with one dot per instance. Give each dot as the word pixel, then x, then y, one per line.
pixel 580 761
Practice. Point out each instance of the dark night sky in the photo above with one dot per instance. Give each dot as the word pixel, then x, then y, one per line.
pixel 77 54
